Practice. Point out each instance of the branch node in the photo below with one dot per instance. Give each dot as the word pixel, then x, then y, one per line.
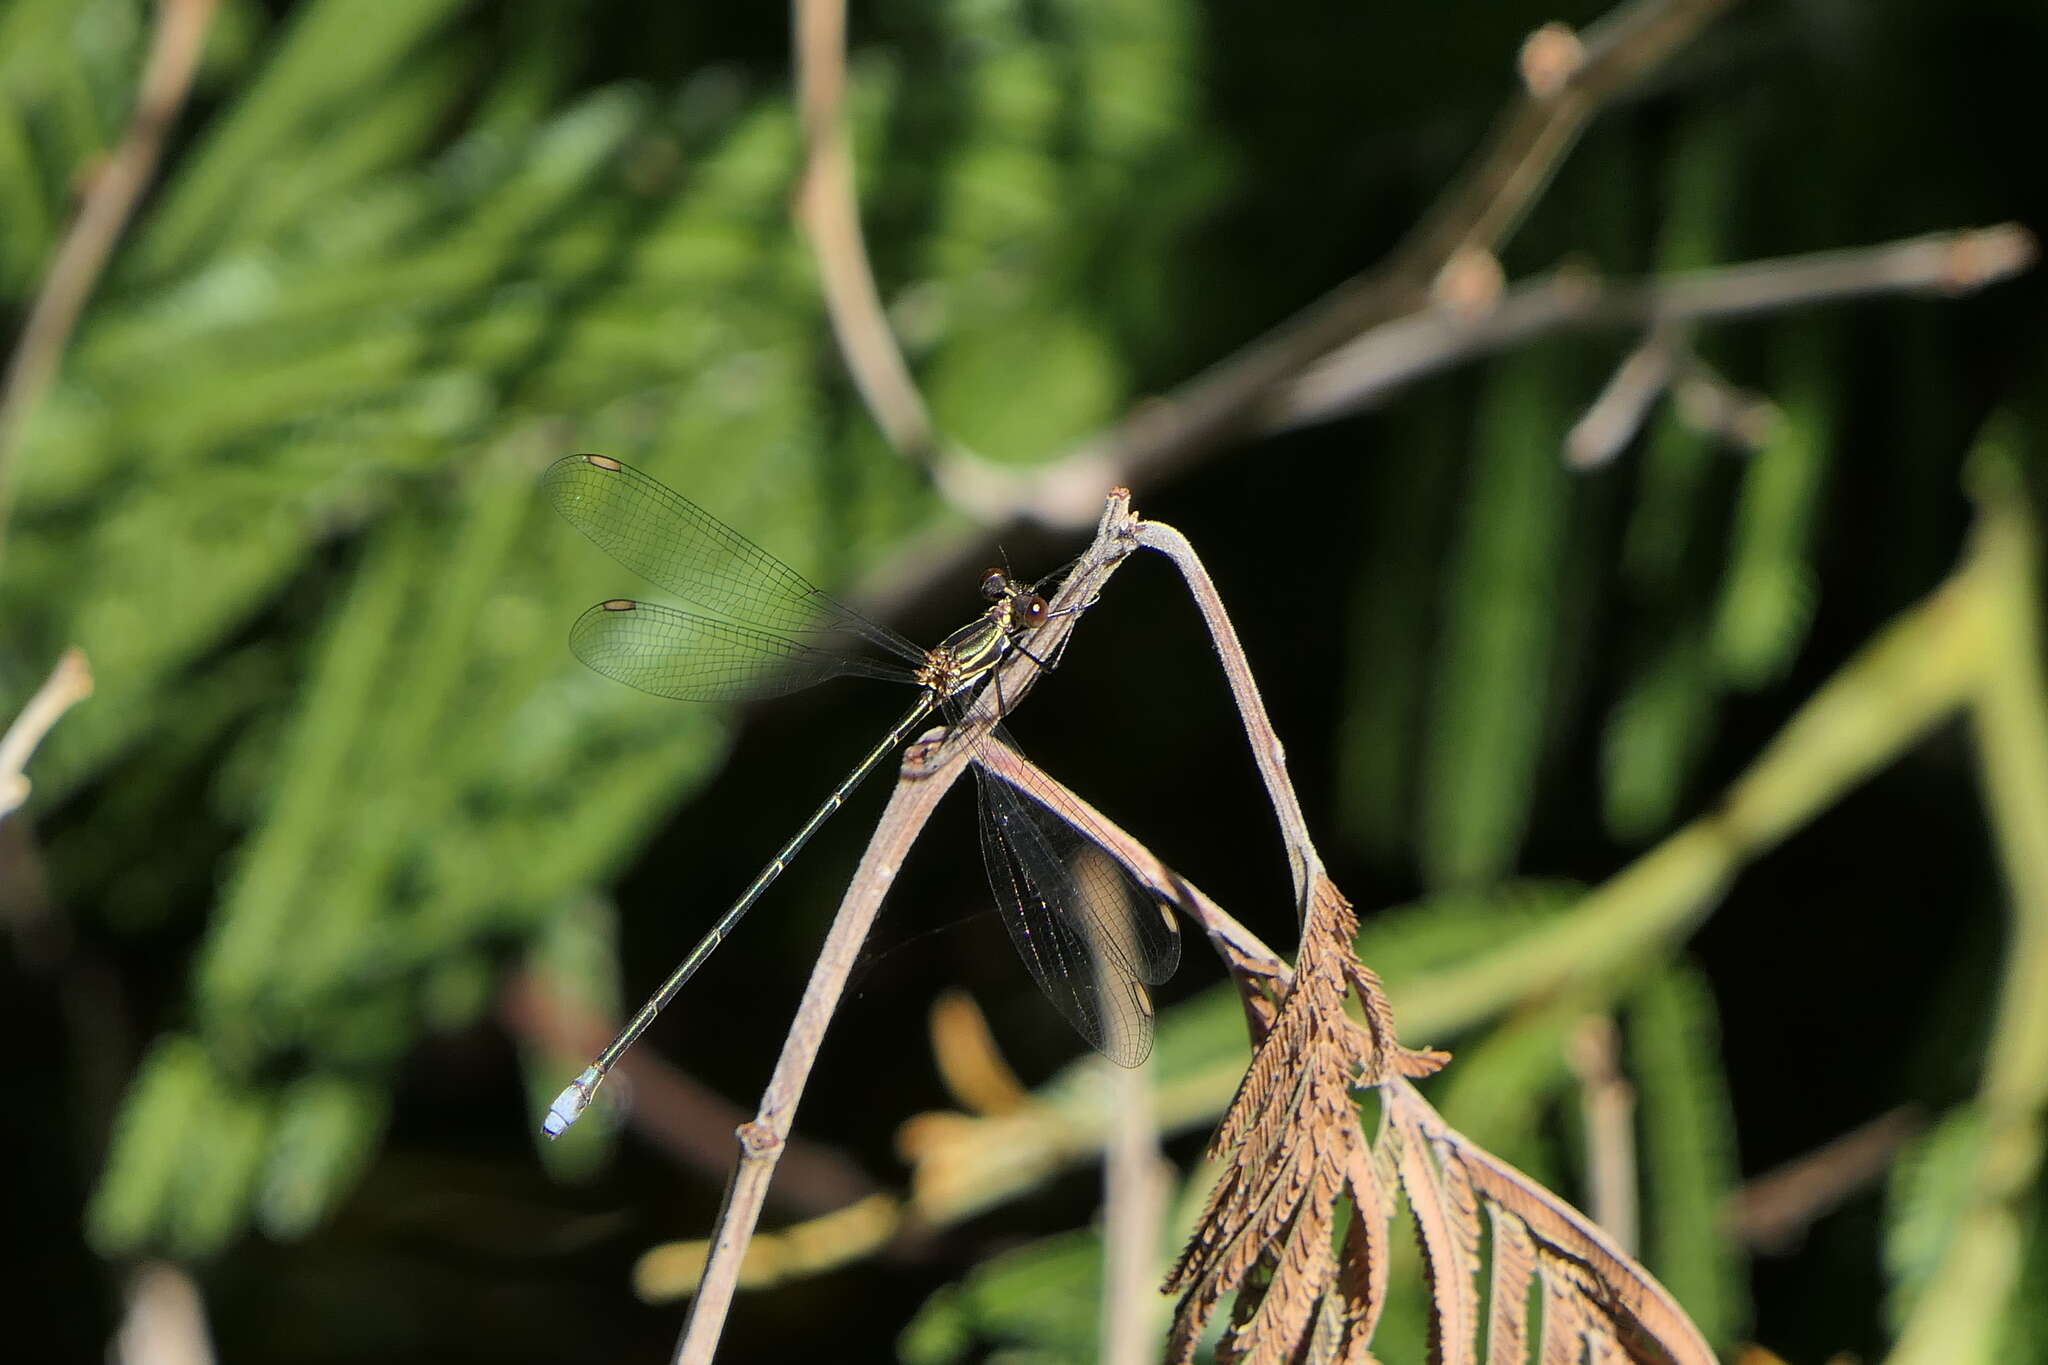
pixel 1470 284
pixel 1549 58
pixel 1977 258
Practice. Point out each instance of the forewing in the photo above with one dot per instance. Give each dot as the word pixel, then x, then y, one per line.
pixel 698 658
pixel 677 545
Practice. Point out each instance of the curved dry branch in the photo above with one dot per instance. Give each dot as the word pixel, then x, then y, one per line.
pixel 109 200
pixel 69 683
pixel 828 209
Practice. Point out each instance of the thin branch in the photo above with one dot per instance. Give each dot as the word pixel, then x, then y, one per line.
pixel 1619 412
pixel 1770 1212
pixel 928 774
pixel 69 683
pixel 877 1226
pixel 165 1322
pixel 828 209
pixel 1389 357
pixel 1709 403
pixel 1267 751
pixel 1475 215
pixel 916 796
pixel 1134 1194
pixel 1608 1103
pixel 1401 352
pixel 109 200
pixel 970 1064
pixel 1530 141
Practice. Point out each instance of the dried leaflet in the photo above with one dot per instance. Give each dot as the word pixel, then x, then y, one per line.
pixel 1507 1307
pixel 1293 1143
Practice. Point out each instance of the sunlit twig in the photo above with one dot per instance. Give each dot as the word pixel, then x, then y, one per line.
pixel 1608 1102
pixel 828 209
pixel 109 199
pixel 1391 356
pixel 69 683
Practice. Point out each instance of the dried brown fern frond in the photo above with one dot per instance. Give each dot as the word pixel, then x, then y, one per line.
pixel 1607 1300
pixel 1293 1144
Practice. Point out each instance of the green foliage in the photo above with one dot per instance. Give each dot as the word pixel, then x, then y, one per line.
pixel 1037 1303
pixel 1064 111
pixel 1410 483
pixel 327 1130
pixel 1486 724
pixel 1655 735
pixel 1930 1184
pixel 1767 596
pixel 293 525
pixel 1407 942
pixel 186 1157
pixel 1505 1085
pixel 1661 722
pixel 1690 1173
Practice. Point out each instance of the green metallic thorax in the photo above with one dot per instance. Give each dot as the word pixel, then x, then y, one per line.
pixel 967 655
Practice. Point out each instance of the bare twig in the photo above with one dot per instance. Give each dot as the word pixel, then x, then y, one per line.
pixel 1267 751
pixel 875 1226
pixel 1711 404
pixel 1608 1102
pixel 1771 1211
pixel 1398 353
pixel 970 1064
pixel 1474 216
pixel 762 1138
pixel 828 209
pixel 1617 414
pixel 927 776
pixel 1134 1193
pixel 109 200
pixel 166 1320
pixel 69 683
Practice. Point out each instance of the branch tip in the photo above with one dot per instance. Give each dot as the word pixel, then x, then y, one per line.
pixel 1549 58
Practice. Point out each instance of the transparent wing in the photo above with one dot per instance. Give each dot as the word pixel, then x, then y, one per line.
pixel 1092 939
pixel 677 545
pixel 697 658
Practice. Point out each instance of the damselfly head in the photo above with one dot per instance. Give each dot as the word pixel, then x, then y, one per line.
pixel 1026 607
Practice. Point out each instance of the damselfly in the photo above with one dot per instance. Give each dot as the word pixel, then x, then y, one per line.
pixel 1092 939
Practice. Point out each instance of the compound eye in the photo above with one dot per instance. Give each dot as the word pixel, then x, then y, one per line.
pixel 995 584
pixel 1032 608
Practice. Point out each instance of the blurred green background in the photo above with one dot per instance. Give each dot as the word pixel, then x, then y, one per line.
pixel 342 798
